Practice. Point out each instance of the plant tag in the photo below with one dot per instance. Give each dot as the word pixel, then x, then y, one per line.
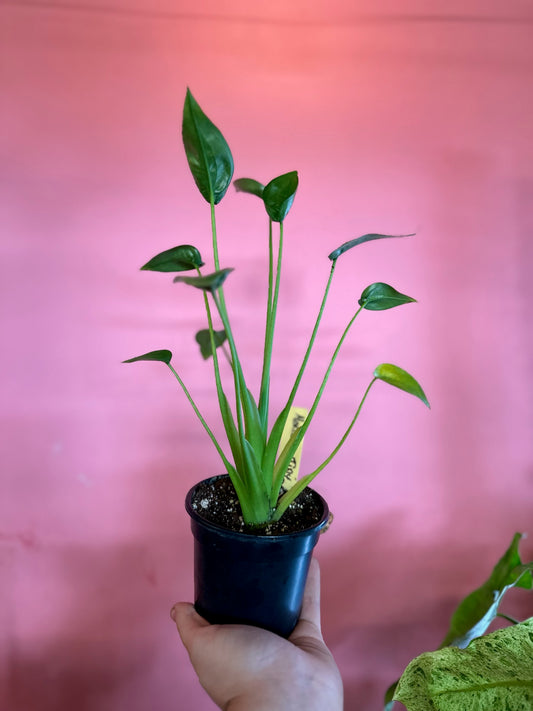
pixel 297 416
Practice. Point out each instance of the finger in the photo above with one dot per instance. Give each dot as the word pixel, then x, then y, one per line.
pixel 309 623
pixel 188 621
pixel 311 601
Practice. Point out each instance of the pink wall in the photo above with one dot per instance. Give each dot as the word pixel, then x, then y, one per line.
pixel 397 122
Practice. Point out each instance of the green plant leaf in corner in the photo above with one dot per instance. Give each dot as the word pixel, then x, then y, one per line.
pixel 393 375
pixel 203 339
pixel 177 259
pixel 208 154
pixel 494 673
pixel 210 282
pixel 278 195
pixel 360 240
pixel 380 296
pixel 163 356
pixel 474 614
pixel 250 186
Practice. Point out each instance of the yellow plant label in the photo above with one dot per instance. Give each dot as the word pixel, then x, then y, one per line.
pixel 297 416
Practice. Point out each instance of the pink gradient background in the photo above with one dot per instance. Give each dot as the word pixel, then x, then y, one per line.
pixel 416 119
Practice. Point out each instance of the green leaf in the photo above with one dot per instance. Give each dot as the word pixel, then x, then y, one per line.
pixel 494 673
pixel 361 240
pixel 231 433
pixel 177 259
pixel 474 614
pixel 278 195
pixel 272 445
pixel 249 185
pixel 203 339
pixel 388 701
pixel 252 422
pixel 163 356
pixel 210 282
pixel 208 154
pixel 380 296
pixel 393 375
pixel 254 475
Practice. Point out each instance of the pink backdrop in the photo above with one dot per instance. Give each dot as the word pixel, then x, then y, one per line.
pixel 412 121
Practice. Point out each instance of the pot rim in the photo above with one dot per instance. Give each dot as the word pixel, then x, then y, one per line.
pixel 194 514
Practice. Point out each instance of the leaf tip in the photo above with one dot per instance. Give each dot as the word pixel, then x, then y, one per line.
pixel 163 356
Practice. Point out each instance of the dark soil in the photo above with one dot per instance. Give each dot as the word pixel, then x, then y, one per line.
pixel 216 501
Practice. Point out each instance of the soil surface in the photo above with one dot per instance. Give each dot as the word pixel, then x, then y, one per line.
pixel 216 501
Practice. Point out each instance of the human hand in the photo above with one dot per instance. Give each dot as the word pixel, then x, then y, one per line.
pixel 245 668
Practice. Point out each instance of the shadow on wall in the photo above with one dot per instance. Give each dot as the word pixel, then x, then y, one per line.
pixel 109 629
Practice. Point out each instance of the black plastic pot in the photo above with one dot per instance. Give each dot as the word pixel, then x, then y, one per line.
pixel 251 579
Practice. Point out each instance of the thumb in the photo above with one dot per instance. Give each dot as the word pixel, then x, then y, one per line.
pixel 309 622
pixel 188 622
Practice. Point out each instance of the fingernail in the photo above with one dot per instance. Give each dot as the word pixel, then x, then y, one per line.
pixel 173 613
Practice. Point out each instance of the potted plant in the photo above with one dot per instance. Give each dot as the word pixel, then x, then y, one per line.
pixel 254 527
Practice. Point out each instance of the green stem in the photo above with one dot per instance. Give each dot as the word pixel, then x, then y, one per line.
pixel 256 505
pixel 258 499
pixel 225 412
pixel 344 436
pixel 313 337
pixel 270 267
pixel 214 235
pixel 221 306
pixel 277 430
pixel 264 395
pixel 227 355
pixel 212 339
pixel 297 489
pixel 282 464
pixel 206 427
pixel 234 359
pixel 510 619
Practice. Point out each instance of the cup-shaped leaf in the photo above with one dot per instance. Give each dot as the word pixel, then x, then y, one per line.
pixel 380 296
pixel 278 195
pixel 209 282
pixel 177 259
pixel 360 240
pixel 393 375
pixel 208 154
pixel 203 338
pixel 163 356
pixel 249 185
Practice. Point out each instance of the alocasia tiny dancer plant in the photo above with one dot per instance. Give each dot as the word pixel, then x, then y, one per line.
pixel 257 468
